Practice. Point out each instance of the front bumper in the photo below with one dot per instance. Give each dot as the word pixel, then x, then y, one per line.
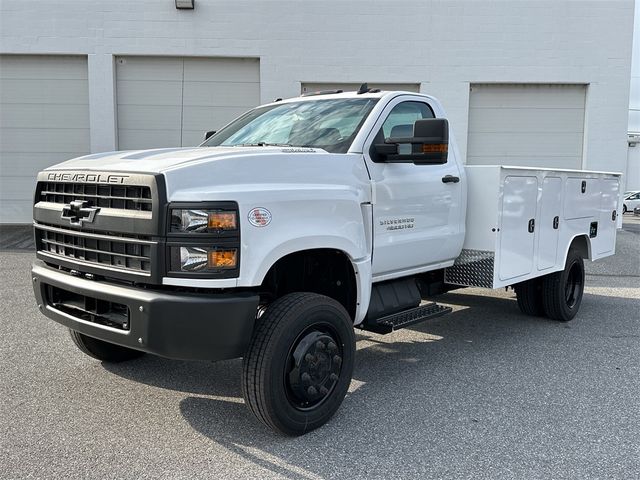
pixel 177 325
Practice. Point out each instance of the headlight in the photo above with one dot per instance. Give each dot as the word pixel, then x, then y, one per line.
pixel 202 221
pixel 204 259
pixel 203 240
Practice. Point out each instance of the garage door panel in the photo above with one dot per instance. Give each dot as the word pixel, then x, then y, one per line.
pixel 222 70
pixel 195 118
pixel 526 125
pixel 45 67
pixel 161 109
pixel 531 120
pixel 226 95
pixel 134 92
pixel 43 140
pixel 137 117
pixel 515 144
pixel 44 120
pixel 43 115
pixel 17 211
pixel 132 139
pixel 26 163
pixel 192 138
pixel 527 96
pixel 149 68
pixel 56 91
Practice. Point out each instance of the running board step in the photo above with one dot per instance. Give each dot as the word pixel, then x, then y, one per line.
pixel 407 317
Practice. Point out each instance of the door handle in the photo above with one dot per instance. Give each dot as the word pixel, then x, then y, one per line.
pixel 450 179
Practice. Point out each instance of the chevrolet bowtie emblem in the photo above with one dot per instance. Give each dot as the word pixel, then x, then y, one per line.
pixel 79 211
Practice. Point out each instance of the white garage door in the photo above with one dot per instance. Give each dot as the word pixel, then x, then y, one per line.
pixel 350 87
pixel 172 102
pixel 526 125
pixel 44 119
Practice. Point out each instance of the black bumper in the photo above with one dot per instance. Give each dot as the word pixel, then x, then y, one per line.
pixel 177 325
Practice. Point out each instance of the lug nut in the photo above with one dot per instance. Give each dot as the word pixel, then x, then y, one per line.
pixel 320 345
pixel 332 347
pixel 333 377
pixel 323 391
pixel 337 360
pixel 308 357
pixel 306 378
pixel 312 391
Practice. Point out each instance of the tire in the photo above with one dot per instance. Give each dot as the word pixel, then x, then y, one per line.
pixel 298 367
pixel 529 296
pixel 562 291
pixel 103 351
pixel 624 208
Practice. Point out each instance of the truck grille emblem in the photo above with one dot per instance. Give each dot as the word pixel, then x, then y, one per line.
pixel 79 211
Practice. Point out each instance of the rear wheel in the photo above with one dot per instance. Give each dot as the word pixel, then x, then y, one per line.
pixel 104 351
pixel 298 367
pixel 624 208
pixel 562 291
pixel 529 296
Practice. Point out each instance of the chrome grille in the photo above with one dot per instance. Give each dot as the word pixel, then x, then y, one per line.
pixel 130 253
pixel 125 197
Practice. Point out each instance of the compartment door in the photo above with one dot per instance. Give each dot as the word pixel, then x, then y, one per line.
pixel 605 242
pixel 549 222
pixel 516 235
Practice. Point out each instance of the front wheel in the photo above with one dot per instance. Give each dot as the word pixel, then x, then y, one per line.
pixel 624 208
pixel 298 367
pixel 562 291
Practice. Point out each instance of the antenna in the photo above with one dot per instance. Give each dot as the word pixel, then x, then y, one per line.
pixel 364 88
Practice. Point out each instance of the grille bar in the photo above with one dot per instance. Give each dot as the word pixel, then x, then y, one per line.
pixel 59 244
pixel 120 237
pixel 106 251
pixel 125 197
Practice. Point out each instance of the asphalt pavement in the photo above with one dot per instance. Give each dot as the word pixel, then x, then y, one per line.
pixel 483 393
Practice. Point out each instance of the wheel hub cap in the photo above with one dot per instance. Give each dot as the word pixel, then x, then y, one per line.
pixel 316 362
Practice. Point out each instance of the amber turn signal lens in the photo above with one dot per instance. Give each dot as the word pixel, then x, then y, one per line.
pixel 222 220
pixel 435 148
pixel 223 258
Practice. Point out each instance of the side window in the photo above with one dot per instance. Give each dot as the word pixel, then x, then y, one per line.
pixel 400 121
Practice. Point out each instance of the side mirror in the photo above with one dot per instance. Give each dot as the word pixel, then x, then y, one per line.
pixel 428 146
pixel 209 134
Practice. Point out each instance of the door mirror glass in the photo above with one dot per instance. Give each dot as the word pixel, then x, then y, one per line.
pixel 428 145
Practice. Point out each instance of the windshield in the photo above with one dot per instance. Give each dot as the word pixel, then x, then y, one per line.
pixel 328 124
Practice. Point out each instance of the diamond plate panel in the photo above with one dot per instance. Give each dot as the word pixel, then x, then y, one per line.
pixel 473 268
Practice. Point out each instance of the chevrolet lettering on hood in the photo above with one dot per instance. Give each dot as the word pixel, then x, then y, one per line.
pixel 86 177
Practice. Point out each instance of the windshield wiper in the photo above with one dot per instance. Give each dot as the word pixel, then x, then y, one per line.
pixel 263 144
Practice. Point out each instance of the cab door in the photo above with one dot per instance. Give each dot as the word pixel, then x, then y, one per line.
pixel 417 209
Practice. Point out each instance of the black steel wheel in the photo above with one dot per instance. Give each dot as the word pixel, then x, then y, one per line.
pixel 298 367
pixel 562 291
pixel 529 294
pixel 103 351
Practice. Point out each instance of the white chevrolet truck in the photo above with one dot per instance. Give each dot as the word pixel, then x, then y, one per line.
pixel 292 226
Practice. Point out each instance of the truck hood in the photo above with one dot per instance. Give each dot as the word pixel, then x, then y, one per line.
pixel 164 159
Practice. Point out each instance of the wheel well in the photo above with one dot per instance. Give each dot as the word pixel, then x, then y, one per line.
pixel 325 271
pixel 582 245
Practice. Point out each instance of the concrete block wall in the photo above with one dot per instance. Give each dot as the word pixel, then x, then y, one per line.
pixel 442 44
